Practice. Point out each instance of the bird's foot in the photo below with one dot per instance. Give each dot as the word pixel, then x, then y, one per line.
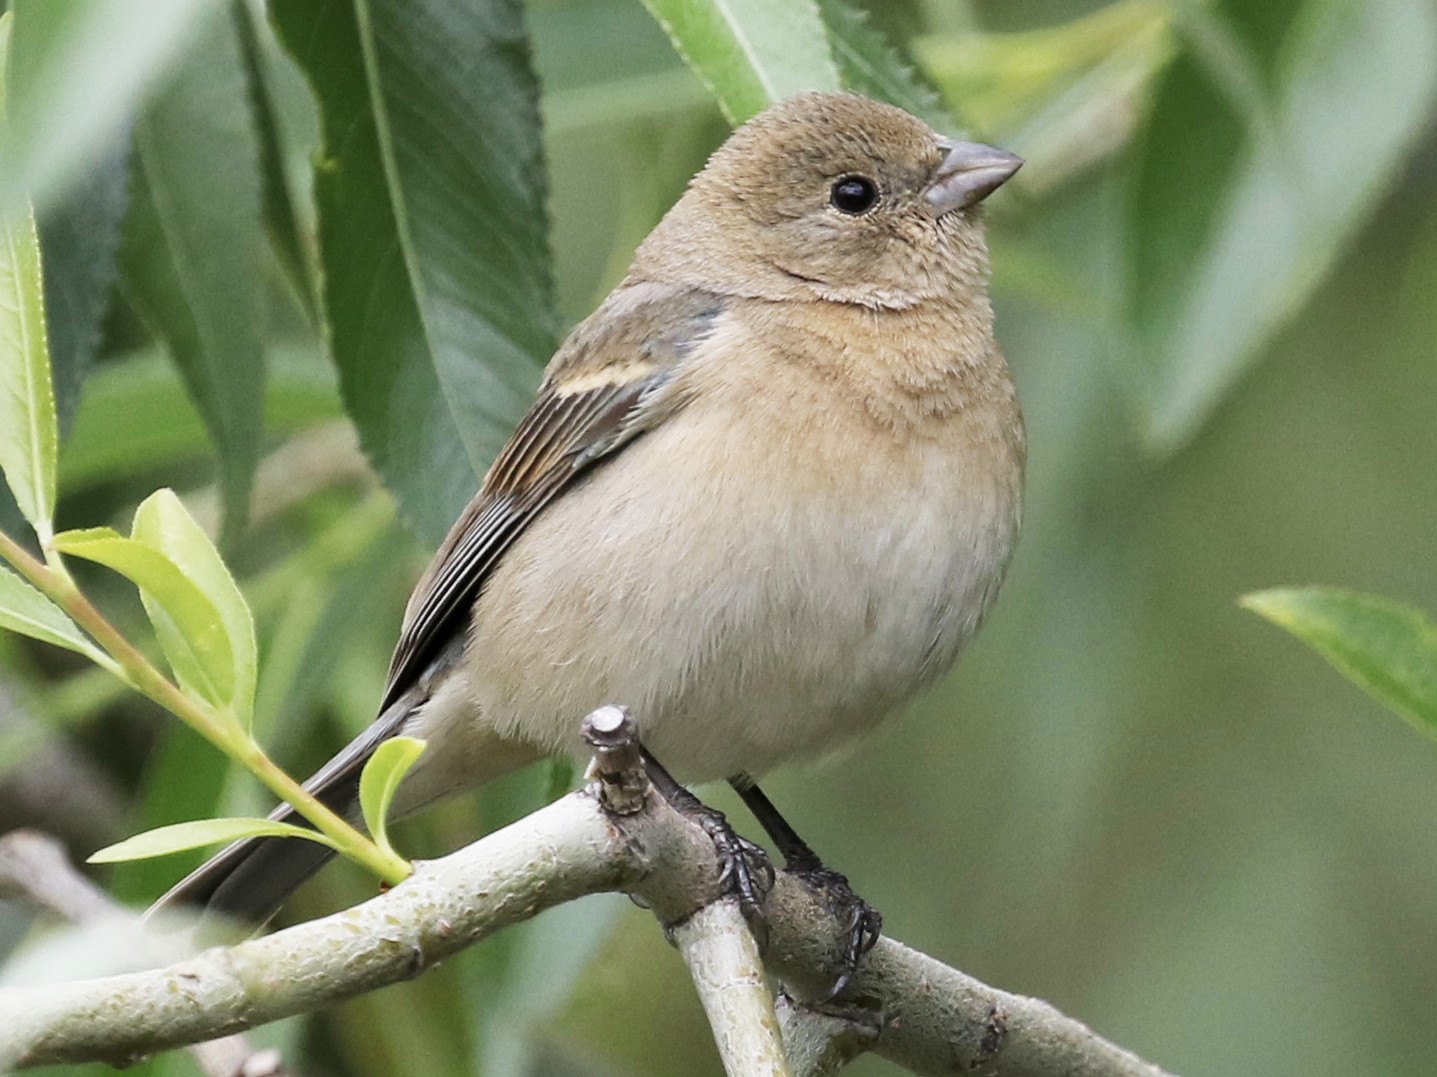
pixel 744 868
pixel 862 923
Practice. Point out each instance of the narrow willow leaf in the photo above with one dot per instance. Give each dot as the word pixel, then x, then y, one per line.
pixel 750 53
pixel 29 438
pixel 1064 96
pixel 180 837
pixel 79 242
pixel 1233 225
pixel 163 523
pixel 438 301
pixel 190 629
pixel 1383 646
pixel 290 230
pixel 193 254
pixel 25 610
pixel 29 435
pixel 869 65
pixel 81 67
pixel 379 781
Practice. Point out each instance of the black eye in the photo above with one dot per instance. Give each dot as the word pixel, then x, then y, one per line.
pixel 853 195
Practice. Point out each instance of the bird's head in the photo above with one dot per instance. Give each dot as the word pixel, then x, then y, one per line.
pixel 833 196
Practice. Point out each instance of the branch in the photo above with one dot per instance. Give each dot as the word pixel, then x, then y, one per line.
pixel 724 961
pixel 820 1042
pixel 35 869
pixel 614 834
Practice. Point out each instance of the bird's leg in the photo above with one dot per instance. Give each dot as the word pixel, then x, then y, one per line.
pixel 745 869
pixel 863 923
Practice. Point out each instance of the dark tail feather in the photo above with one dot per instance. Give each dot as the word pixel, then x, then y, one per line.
pixel 251 879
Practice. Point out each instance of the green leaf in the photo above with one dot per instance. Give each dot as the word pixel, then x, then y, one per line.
pixel 1063 96
pixel 28 431
pixel 29 437
pixel 193 253
pixel 290 230
pixel 190 629
pixel 79 241
pixel 1382 646
pixel 437 292
pixel 25 610
pixel 1292 128
pixel 162 523
pixel 750 53
pixel 379 781
pixel 869 65
pixel 81 68
pixel 179 837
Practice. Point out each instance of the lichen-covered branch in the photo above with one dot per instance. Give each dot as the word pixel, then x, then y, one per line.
pixel 820 1040
pixel 723 959
pixel 614 835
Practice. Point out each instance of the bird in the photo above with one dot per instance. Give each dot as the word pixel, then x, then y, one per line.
pixel 765 495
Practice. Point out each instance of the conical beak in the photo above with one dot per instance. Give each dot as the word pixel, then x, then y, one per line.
pixel 969 173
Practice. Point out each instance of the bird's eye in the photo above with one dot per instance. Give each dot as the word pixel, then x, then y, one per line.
pixel 853 195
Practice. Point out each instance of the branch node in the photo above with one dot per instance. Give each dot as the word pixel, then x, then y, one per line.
pixel 618 763
pixel 995 1031
pixel 821 1038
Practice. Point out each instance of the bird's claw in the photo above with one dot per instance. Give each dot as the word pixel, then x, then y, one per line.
pixel 745 871
pixel 744 868
pixel 862 922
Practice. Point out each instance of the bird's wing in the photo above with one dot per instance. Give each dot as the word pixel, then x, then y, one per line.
pixel 604 388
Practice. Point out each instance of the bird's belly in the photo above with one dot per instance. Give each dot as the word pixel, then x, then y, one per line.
pixel 740 630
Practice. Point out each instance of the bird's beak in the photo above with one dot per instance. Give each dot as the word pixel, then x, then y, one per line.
pixel 968 173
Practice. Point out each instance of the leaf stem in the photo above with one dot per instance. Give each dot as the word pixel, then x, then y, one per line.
pixel 127 663
pixel 58 586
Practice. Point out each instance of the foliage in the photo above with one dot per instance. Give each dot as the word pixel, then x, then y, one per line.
pixel 1386 648
pixel 252 220
pixel 203 624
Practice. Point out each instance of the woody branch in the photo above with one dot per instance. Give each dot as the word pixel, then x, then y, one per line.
pixel 615 834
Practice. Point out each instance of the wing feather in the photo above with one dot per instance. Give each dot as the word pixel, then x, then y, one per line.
pixel 615 367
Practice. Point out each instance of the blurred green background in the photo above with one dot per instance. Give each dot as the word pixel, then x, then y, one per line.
pixel 1217 286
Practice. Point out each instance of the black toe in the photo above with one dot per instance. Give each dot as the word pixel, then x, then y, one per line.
pixel 862 922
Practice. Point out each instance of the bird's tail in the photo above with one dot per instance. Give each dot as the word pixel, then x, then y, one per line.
pixel 250 880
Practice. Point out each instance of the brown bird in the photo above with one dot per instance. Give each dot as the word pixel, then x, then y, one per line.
pixel 767 492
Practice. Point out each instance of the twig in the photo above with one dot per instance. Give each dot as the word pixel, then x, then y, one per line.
pixel 122 658
pixel 820 1041
pixel 724 961
pixel 35 869
pixel 234 1057
pixel 716 944
pixel 34 762
pixel 934 1019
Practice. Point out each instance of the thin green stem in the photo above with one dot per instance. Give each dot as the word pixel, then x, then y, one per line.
pixel 132 667
pixel 51 583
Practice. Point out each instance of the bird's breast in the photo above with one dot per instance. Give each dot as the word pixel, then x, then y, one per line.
pixel 758 577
